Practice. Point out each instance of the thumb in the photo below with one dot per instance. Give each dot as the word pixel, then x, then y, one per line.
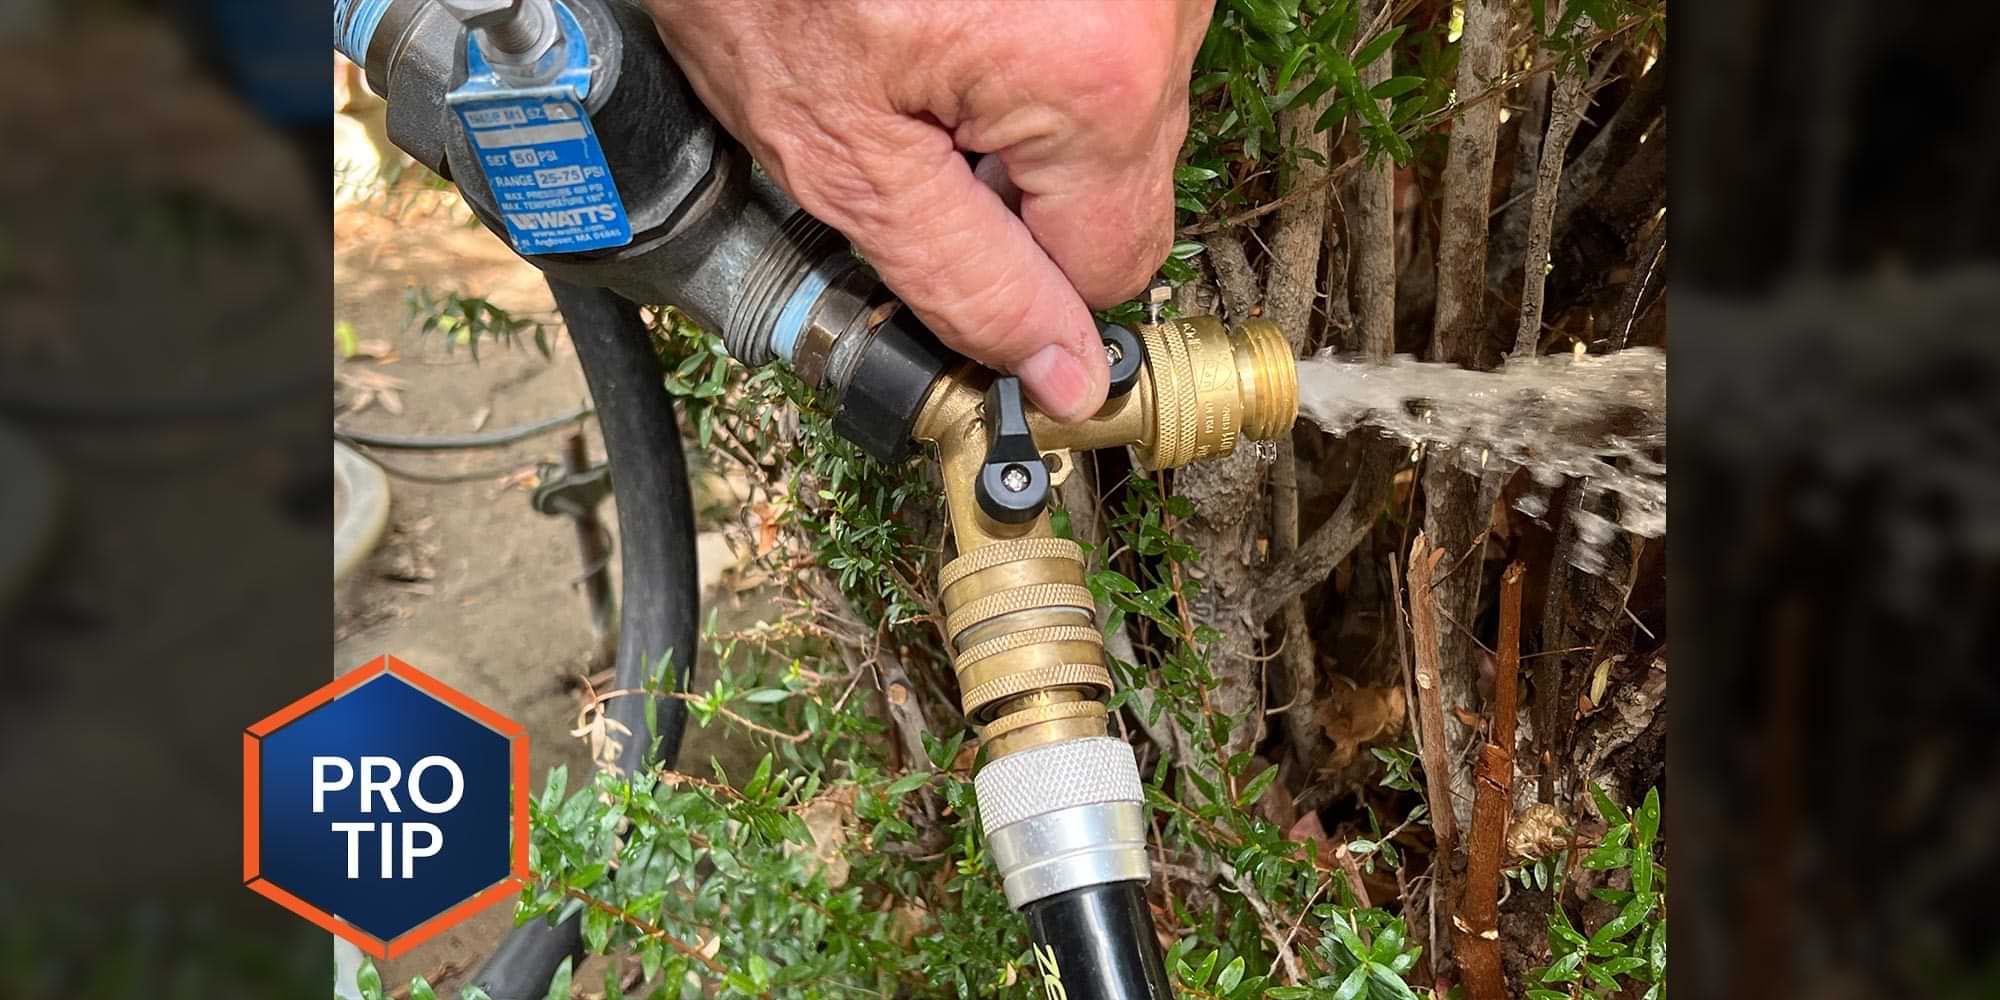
pixel 950 248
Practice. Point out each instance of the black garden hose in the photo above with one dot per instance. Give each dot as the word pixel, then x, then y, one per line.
pixel 660 610
pixel 500 438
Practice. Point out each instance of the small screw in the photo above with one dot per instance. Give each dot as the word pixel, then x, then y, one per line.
pixel 1015 478
pixel 1157 297
pixel 1112 352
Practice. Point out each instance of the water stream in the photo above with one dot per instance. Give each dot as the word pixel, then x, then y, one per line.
pixel 1599 419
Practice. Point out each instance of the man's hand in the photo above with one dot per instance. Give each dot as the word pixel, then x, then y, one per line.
pixel 861 111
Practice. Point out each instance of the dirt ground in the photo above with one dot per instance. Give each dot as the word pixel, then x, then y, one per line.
pixel 469 583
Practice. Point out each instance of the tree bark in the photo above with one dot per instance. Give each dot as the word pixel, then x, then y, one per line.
pixel 1565 113
pixel 1371 231
pixel 1453 516
pixel 1291 298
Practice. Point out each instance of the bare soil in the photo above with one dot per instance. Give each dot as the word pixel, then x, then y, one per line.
pixel 469 583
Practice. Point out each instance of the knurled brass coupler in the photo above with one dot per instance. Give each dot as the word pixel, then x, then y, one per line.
pixel 1210 384
pixel 1025 643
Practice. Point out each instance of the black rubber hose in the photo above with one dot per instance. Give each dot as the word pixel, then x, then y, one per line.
pixel 660 608
pixel 500 438
pixel 1097 943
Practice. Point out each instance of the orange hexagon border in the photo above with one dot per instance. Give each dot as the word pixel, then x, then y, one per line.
pixel 517 740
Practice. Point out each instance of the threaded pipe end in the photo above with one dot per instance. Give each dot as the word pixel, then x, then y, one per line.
pixel 1268 378
pixel 781 266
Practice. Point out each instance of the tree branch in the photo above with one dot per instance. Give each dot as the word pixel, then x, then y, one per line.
pixel 1477 924
pixel 1333 541
pixel 1371 232
pixel 1234 277
pixel 1428 652
pixel 1565 114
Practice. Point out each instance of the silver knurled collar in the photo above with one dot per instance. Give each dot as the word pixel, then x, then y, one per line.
pixel 1057 776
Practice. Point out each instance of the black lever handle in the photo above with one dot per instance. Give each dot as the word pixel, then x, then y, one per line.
pixel 1013 484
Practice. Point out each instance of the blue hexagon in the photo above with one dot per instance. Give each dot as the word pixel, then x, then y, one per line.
pixel 385 805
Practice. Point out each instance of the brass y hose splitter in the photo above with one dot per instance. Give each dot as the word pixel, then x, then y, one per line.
pixel 1059 799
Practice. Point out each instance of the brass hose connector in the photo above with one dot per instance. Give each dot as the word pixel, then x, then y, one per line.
pixel 1020 621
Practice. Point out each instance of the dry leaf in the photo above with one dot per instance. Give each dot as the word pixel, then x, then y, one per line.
pixel 603 732
pixel 1276 804
pixel 1360 717
pixel 828 817
pixel 369 387
pixel 1308 828
pixel 908 921
pixel 1537 832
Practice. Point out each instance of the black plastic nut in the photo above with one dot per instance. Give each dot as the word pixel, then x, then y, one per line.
pixel 1127 355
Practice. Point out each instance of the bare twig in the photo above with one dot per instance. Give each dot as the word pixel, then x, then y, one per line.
pixel 647 928
pixel 1290 288
pixel 1300 678
pixel 1455 511
pixel 1288 961
pixel 1333 541
pixel 1477 921
pixel 1565 114
pixel 721 710
pixel 1651 261
pixel 1427 650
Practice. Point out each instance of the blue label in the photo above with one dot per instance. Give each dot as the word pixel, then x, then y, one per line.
pixel 547 172
pixel 540 156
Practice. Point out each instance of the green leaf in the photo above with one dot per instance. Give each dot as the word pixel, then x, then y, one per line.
pixel 420 989
pixel 1389 981
pixel 1565 968
pixel 1607 809
pixel 1186 249
pixel 559 985
pixel 1376 46
pixel 1288 993
pixel 908 783
pixel 1255 789
pixel 552 787
pixel 596 930
pixel 767 696
pixel 1395 86
pixel 370 981
pixel 1231 975
pixel 1204 970
pixel 1292 64
pixel 1634 913
pixel 1190 174
pixel 1348 939
pixel 1352 986
pixel 1648 820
